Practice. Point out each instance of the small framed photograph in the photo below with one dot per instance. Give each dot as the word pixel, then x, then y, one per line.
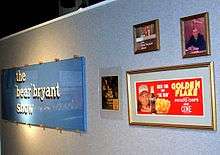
pixel 195 35
pixel 175 96
pixel 146 37
pixel 110 93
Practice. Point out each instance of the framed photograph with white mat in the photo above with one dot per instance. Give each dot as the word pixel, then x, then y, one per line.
pixel 174 96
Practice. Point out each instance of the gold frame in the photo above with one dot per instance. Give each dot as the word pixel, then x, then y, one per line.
pixel 213 118
pixel 207 35
pixel 157 46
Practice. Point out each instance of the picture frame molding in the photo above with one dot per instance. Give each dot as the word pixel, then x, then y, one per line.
pixel 157 27
pixel 213 113
pixel 207 34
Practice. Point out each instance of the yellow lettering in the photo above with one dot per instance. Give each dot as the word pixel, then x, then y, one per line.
pixel 197 84
pixel 177 92
pixel 187 85
pixel 190 92
pixel 195 92
pixel 178 85
pixel 191 84
pixel 173 86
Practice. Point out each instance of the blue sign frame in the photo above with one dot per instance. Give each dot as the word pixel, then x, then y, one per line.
pixel 52 94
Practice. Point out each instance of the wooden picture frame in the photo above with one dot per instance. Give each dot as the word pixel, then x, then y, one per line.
pixel 146 37
pixel 195 36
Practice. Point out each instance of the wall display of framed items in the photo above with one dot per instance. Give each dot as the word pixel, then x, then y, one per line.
pixel 176 96
pixel 195 35
pixel 146 37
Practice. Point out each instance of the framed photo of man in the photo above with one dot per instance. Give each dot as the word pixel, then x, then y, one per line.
pixel 146 36
pixel 195 35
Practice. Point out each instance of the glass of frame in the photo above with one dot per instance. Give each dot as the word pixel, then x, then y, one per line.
pixel 175 96
pixel 146 37
pixel 195 35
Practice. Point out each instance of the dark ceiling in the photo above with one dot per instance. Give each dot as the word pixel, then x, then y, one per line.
pixel 19 15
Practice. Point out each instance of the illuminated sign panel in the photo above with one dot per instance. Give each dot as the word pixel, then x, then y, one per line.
pixel 50 94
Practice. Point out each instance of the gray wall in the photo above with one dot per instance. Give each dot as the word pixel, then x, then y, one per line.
pixel 104 36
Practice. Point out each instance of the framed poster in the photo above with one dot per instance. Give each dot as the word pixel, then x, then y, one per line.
pixel 195 35
pixel 109 88
pixel 176 96
pixel 146 37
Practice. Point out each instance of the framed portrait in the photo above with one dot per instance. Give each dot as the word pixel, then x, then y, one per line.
pixel 110 91
pixel 146 37
pixel 195 35
pixel 175 96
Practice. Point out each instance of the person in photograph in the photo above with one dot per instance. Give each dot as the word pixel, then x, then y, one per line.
pixel 196 41
pixel 144 106
pixel 147 31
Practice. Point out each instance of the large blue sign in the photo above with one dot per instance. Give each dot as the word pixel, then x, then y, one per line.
pixel 51 94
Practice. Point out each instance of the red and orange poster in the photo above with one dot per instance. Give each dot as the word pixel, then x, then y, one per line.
pixel 170 97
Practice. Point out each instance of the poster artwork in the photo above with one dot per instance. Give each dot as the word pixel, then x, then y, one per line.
pixel 170 97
